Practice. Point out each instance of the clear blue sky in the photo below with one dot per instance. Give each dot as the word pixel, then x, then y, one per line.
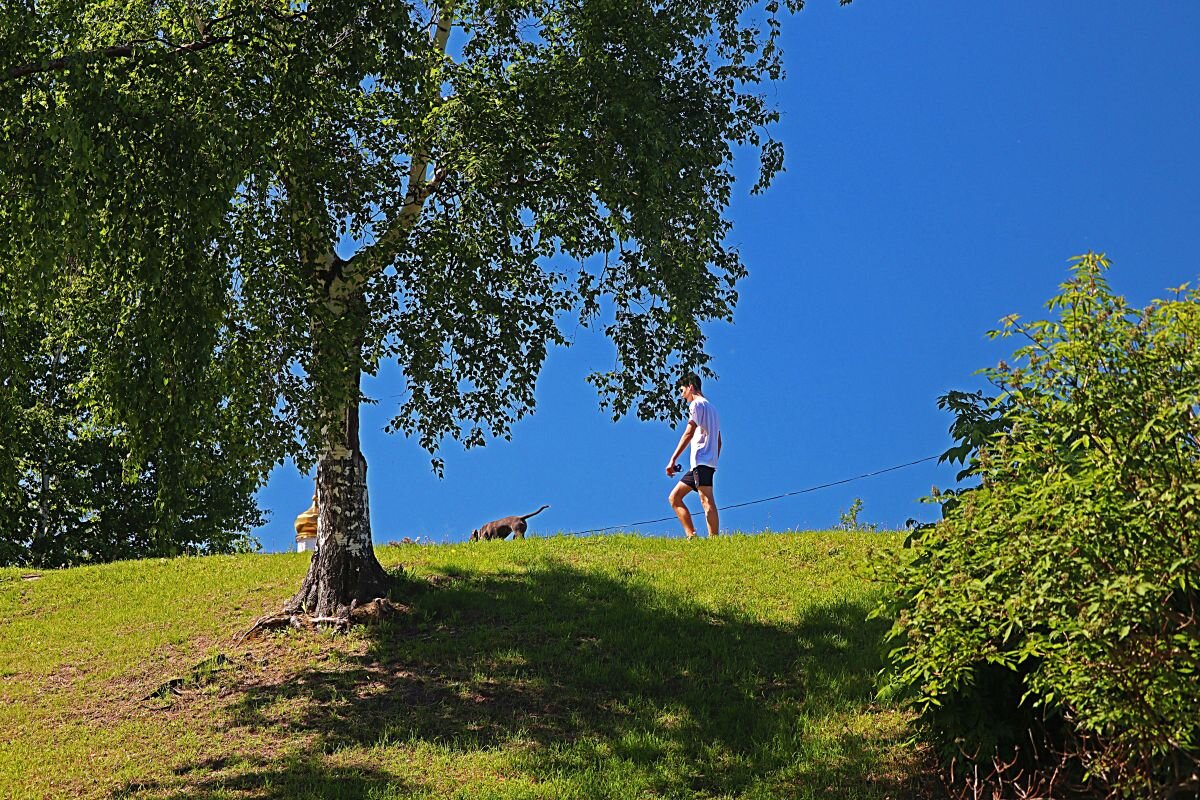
pixel 944 160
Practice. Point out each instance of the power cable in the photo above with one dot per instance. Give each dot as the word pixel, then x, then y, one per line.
pixel 762 500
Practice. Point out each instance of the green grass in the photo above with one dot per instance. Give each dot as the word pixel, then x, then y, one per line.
pixel 613 667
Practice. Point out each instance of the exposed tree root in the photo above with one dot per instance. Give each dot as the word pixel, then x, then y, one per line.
pixel 377 609
pixel 270 622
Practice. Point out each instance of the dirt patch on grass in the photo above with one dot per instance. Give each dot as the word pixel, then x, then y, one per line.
pixel 181 718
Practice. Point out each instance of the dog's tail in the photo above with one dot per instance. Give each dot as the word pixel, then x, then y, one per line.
pixel 534 514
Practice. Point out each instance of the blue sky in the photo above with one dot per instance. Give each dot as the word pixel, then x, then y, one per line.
pixel 944 161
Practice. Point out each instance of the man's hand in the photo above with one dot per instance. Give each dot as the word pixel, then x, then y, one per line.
pixel 673 469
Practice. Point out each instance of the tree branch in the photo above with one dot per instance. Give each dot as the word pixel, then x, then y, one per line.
pixel 126 50
pixel 108 53
pixel 420 188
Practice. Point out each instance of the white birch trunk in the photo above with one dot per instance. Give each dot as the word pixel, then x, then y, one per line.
pixel 344 570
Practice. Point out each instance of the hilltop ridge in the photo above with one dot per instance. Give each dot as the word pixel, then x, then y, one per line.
pixel 615 666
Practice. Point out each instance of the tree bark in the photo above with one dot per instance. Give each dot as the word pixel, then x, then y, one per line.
pixel 344 571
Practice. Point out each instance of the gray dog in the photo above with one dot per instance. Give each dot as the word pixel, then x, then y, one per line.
pixel 498 529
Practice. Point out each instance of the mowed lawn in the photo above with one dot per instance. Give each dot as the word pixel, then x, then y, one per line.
pixel 608 667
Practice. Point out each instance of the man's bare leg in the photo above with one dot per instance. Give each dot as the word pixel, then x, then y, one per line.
pixel 710 510
pixel 685 517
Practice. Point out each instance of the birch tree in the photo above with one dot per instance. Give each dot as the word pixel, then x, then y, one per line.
pixel 242 206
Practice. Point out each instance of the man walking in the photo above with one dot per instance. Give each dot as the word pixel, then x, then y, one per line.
pixel 703 431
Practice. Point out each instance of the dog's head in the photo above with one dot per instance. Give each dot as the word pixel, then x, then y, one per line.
pixel 474 535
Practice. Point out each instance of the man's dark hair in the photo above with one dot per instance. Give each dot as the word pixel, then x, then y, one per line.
pixel 692 380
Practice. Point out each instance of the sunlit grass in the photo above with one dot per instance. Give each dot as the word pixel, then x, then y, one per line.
pixel 616 666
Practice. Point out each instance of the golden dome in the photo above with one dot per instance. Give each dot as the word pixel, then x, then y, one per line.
pixel 306 523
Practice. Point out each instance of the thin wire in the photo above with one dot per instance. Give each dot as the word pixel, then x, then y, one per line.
pixel 762 500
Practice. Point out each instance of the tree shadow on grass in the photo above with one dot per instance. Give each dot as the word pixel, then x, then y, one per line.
pixel 576 675
pixel 282 779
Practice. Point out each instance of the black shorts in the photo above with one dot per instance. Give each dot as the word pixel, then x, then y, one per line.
pixel 700 475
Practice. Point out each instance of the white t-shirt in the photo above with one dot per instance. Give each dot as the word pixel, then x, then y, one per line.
pixel 707 435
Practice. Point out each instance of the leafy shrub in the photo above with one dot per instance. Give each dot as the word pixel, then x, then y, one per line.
pixel 1050 622
pixel 70 493
pixel 848 519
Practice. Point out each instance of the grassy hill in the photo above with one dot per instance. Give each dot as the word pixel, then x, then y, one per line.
pixel 614 667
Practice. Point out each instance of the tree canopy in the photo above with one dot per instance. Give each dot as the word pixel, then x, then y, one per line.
pixel 234 208
pixel 68 494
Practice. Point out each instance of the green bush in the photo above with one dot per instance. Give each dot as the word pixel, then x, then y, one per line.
pixel 71 494
pixel 1050 621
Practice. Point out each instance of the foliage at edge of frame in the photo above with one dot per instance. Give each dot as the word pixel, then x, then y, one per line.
pixel 1048 627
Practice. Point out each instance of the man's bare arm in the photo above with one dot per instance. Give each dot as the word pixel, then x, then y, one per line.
pixel 688 432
